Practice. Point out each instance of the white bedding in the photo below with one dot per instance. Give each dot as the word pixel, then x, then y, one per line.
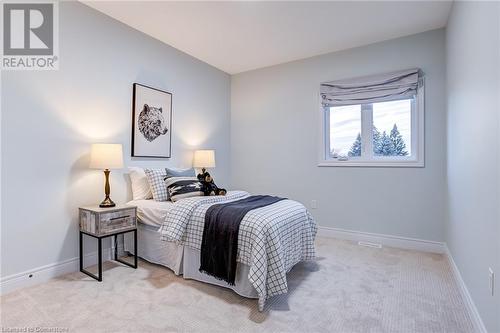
pixel 152 212
pixel 151 248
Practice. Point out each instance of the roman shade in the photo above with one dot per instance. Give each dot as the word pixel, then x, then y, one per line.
pixel 371 89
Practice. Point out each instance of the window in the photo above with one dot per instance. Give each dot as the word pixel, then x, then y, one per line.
pixel 392 128
pixel 347 123
pixel 384 132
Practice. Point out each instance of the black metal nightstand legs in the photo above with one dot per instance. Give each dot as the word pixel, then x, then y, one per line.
pixel 99 259
pixel 134 265
pixel 99 254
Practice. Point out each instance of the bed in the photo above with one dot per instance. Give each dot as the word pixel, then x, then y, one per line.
pixel 271 240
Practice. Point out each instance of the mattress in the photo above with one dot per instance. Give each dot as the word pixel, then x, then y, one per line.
pixel 151 212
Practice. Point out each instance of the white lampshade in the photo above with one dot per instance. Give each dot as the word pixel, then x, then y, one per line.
pixel 204 159
pixel 106 156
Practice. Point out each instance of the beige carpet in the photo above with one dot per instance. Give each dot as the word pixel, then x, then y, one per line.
pixel 348 289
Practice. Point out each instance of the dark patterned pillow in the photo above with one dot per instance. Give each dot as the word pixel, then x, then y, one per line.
pixel 183 187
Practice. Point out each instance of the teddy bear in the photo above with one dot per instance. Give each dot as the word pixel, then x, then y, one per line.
pixel 208 186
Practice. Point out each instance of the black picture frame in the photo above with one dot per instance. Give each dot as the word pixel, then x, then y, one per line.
pixel 135 150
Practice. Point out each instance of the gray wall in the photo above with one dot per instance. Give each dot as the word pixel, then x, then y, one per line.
pixel 51 118
pixel 473 80
pixel 275 138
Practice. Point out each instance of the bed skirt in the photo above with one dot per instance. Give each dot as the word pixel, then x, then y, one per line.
pixel 182 260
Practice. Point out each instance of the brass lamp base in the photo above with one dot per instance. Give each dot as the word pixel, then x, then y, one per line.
pixel 107 203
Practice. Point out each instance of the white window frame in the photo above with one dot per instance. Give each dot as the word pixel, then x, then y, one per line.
pixel 416 160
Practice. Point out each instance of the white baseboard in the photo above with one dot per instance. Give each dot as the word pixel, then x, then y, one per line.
pixel 44 273
pixel 385 240
pixel 469 303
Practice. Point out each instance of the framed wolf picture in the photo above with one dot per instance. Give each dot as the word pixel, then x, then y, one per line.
pixel 151 122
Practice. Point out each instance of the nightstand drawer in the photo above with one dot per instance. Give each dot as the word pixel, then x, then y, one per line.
pixel 114 221
pixel 104 221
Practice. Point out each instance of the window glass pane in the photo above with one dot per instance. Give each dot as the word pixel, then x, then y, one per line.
pixel 345 131
pixel 392 128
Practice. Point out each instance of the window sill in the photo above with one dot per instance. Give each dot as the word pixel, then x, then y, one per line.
pixel 381 164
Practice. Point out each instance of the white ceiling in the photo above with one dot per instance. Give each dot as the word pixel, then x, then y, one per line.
pixel 240 36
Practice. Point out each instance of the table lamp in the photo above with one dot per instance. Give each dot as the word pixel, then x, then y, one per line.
pixel 204 159
pixel 106 156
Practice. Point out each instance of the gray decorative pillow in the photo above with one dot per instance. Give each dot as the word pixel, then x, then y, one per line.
pixel 183 187
pixel 180 172
pixel 157 184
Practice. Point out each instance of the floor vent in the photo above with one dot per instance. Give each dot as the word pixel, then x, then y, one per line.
pixel 368 244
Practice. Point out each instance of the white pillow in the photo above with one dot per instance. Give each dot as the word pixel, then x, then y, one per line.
pixel 140 186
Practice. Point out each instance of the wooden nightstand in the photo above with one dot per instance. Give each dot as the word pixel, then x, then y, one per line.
pixel 106 222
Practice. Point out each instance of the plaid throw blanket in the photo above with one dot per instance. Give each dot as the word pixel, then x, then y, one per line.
pixel 219 245
pixel 271 239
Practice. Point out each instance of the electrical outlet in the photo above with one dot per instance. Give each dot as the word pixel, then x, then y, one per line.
pixel 314 204
pixel 492 281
